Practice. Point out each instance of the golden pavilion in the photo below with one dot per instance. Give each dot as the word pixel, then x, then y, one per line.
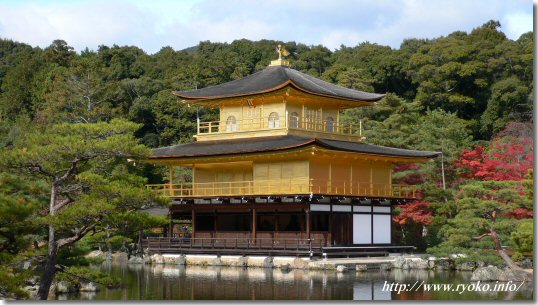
pixel 280 168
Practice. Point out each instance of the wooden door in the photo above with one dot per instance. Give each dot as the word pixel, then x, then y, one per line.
pixel 341 229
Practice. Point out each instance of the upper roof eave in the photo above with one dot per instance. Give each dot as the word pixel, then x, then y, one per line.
pixel 203 100
pixel 272 79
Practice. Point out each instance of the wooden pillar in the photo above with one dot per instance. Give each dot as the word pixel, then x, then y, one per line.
pixel 331 233
pixel 253 223
pixel 171 180
pixel 214 223
pixel 170 226
pixel 261 116
pixel 338 120
pixel 321 121
pixel 307 212
pixel 193 222
pixel 351 177
pixel 242 116
pixel 276 225
pixel 371 179
pixel 303 119
pixel 330 184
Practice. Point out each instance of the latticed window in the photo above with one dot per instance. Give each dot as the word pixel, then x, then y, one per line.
pixel 231 124
pixel 294 120
pixel 274 121
pixel 329 124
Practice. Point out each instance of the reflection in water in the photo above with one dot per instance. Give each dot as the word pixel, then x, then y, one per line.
pixel 171 282
pixel 370 290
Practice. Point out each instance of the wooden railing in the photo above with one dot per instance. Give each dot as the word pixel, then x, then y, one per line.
pixel 261 245
pixel 166 244
pixel 284 187
pixel 290 122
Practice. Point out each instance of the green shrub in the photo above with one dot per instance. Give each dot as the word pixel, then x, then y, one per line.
pixel 517 257
pixel 523 236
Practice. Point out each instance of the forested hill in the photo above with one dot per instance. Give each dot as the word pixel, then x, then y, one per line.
pixel 481 77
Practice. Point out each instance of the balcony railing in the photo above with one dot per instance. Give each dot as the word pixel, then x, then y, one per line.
pixel 284 187
pixel 291 122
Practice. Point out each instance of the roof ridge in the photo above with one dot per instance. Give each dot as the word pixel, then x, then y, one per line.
pixel 302 75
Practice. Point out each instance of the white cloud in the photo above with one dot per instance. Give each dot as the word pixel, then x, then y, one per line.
pixel 180 24
pixel 80 24
pixel 517 23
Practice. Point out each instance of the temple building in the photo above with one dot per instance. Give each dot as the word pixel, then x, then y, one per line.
pixel 280 165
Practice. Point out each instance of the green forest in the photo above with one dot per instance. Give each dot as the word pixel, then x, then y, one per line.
pixel 73 126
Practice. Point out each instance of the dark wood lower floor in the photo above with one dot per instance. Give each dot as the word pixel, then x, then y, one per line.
pixel 328 224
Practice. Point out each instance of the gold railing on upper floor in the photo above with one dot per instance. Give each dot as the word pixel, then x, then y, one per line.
pixel 232 125
pixel 295 186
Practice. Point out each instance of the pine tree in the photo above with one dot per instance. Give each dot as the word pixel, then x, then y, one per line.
pixel 89 182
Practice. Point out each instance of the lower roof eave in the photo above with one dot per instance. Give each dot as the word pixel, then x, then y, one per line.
pixel 275 144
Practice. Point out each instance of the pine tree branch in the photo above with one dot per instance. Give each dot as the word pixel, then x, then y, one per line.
pixel 481 236
pixel 71 171
pixel 64 202
pixel 39 169
pixel 79 235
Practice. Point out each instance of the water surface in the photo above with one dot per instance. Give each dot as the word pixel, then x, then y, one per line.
pixel 170 282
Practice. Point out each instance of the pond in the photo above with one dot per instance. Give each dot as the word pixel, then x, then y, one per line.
pixel 171 282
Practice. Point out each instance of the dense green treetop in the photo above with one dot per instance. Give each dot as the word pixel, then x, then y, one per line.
pixel 482 76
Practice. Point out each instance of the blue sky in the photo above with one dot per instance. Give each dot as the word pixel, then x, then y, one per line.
pixel 152 24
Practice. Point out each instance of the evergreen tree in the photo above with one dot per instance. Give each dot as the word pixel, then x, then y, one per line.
pixel 90 183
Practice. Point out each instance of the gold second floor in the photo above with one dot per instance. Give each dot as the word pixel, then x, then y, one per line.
pixel 299 173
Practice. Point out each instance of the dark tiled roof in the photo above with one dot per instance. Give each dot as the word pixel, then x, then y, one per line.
pixel 274 78
pixel 234 146
pixel 275 143
pixel 375 149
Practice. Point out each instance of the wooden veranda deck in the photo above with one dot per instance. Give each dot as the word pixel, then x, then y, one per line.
pixel 262 246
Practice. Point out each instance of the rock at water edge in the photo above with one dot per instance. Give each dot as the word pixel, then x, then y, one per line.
pixel 158 259
pixel 242 261
pixel 418 263
pixel 285 267
pixel 299 264
pixel 516 276
pixel 268 262
pixel 466 266
pixel 64 287
pixel 399 262
pixel 135 260
pixel 486 274
pixel 88 286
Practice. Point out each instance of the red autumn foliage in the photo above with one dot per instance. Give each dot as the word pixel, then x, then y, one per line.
pixel 510 157
pixel 521 213
pixel 412 176
pixel 417 211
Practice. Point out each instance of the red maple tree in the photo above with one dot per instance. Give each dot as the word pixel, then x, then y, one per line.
pixel 417 211
pixel 510 156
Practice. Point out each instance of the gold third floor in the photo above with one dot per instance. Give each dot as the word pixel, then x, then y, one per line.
pixel 284 112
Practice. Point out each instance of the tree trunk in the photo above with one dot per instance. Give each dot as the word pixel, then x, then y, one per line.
pixel 49 271
pixel 501 251
pixel 50 266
